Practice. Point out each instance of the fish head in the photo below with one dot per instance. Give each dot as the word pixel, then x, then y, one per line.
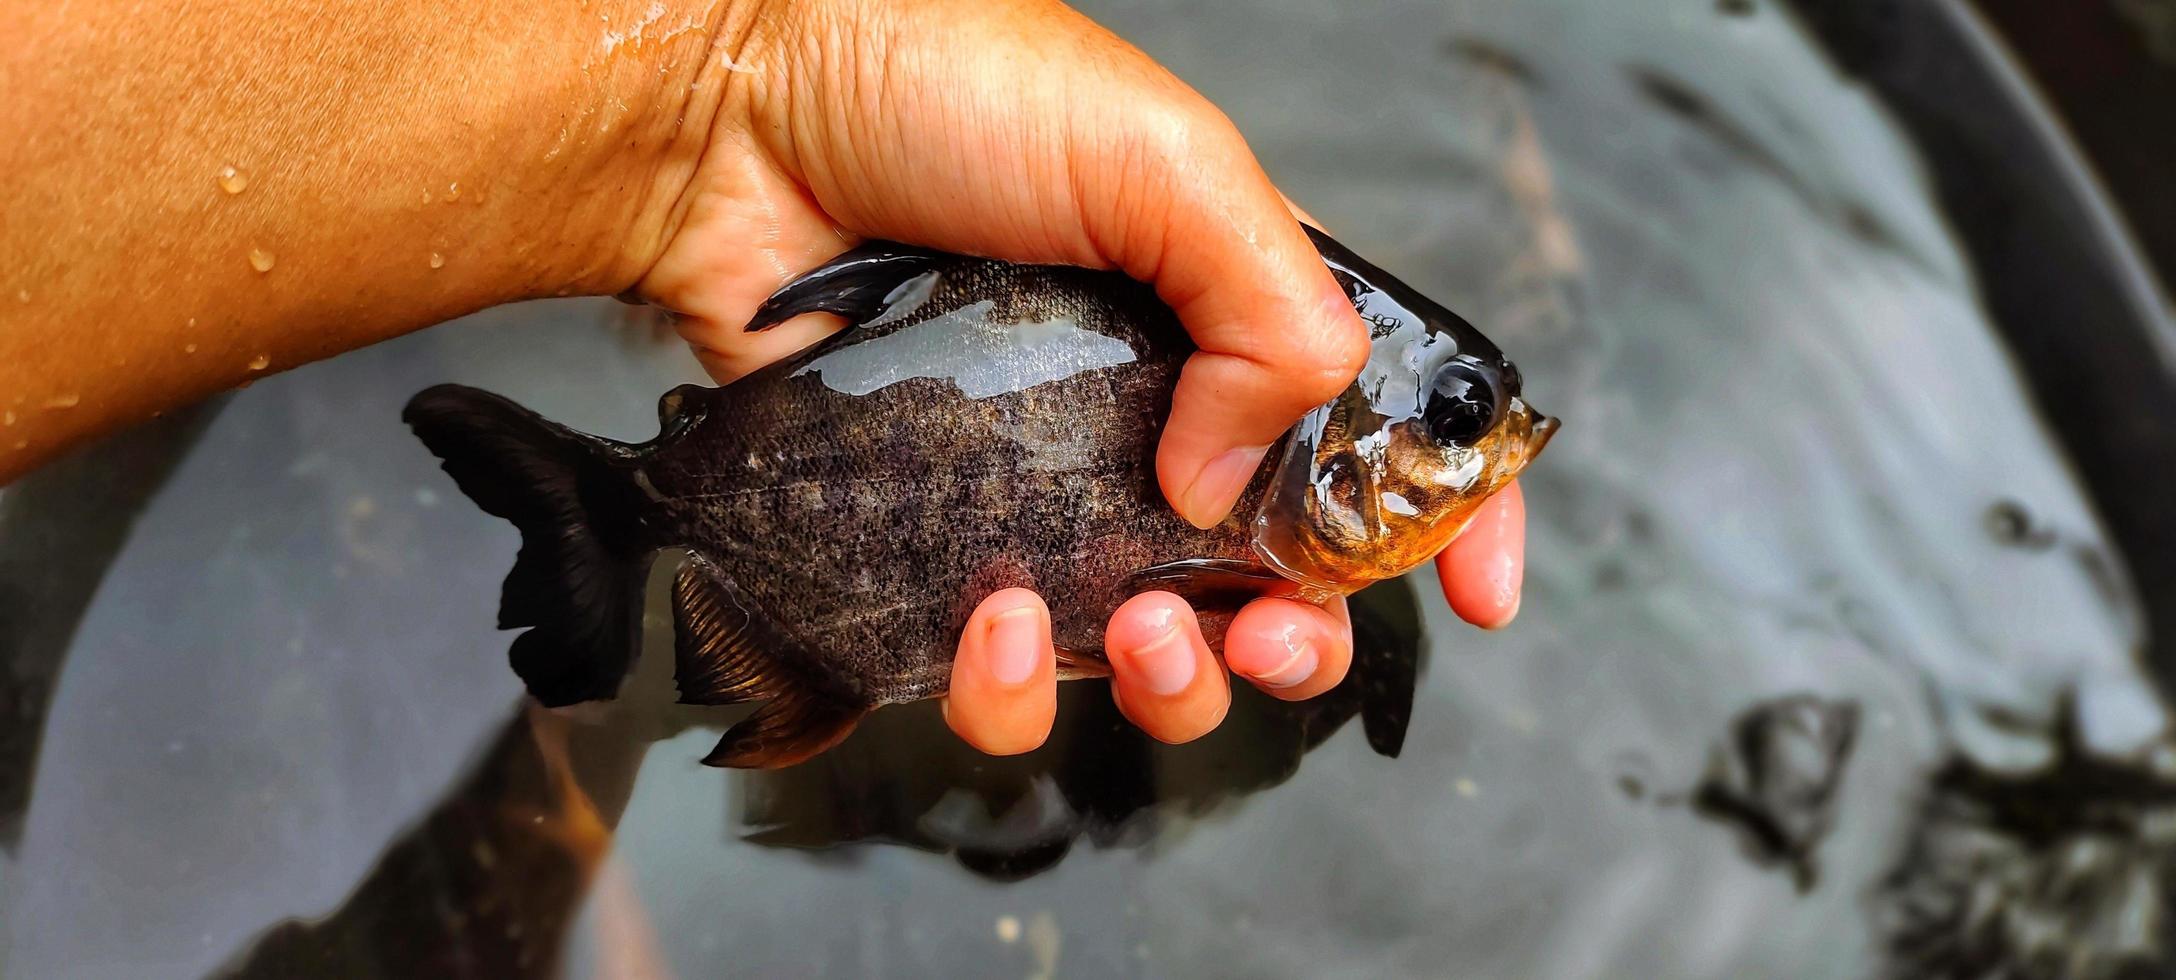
pixel 1381 478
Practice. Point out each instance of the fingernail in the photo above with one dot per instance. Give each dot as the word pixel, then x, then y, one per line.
pixel 1166 663
pixel 1219 485
pixel 1012 643
pixel 1299 663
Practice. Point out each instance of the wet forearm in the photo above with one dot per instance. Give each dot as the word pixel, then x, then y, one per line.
pixel 202 192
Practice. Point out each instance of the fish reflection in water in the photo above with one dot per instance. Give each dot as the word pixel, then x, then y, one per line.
pixel 487 885
pixel 1097 778
pixel 2063 871
pixel 491 882
pixel 1775 778
pixel 60 529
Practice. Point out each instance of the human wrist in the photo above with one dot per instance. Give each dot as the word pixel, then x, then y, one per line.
pixel 659 117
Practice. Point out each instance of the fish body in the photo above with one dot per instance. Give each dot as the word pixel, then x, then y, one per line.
pixel 979 425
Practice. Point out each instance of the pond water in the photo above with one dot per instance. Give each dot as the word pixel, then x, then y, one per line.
pixel 1825 669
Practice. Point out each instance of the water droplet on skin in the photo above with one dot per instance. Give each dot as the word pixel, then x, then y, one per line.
pixel 260 260
pixel 189 348
pixel 437 261
pixel 453 191
pixel 233 181
pixel 22 296
pixel 260 362
pixel 22 443
pixel 192 321
pixel 11 418
pixel 63 401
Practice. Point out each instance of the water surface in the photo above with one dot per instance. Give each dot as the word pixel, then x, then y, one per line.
pixel 1819 636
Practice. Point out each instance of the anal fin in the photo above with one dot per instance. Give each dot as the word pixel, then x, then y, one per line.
pixel 727 654
pixel 790 729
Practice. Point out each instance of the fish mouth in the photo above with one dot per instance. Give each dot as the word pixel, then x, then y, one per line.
pixel 1332 549
pixel 1544 429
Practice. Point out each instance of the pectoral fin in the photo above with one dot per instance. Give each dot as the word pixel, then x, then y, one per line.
pixel 1074 665
pixel 1389 642
pixel 727 654
pixel 1211 584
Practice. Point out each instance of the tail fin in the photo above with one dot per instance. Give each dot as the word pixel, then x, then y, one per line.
pixel 578 579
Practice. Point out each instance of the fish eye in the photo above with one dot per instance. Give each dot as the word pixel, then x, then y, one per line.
pixel 1465 401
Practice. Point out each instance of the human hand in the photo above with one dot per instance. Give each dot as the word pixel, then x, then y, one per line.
pixel 1020 130
pixel 1290 650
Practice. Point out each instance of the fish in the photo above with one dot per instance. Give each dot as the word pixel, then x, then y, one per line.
pixel 978 425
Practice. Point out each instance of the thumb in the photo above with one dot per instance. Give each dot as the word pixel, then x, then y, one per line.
pixel 1196 216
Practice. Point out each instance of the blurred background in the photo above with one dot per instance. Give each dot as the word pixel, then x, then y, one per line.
pixel 1847 649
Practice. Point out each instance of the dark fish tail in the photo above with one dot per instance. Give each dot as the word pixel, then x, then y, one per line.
pixel 578 579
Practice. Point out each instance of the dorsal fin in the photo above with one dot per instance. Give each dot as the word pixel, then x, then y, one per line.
pixel 855 285
pixel 727 654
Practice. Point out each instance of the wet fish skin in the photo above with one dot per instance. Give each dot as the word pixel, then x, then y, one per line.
pixel 909 503
pixel 983 425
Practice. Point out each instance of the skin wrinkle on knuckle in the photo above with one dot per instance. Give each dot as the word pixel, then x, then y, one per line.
pixel 1159 195
pixel 1050 179
pixel 1313 364
pixel 697 109
pixel 1281 383
pixel 874 90
pixel 1106 210
pixel 1336 367
pixel 1308 363
pixel 1217 223
pixel 795 134
pixel 733 192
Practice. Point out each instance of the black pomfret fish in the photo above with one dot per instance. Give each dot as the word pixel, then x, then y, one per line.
pixel 979 425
